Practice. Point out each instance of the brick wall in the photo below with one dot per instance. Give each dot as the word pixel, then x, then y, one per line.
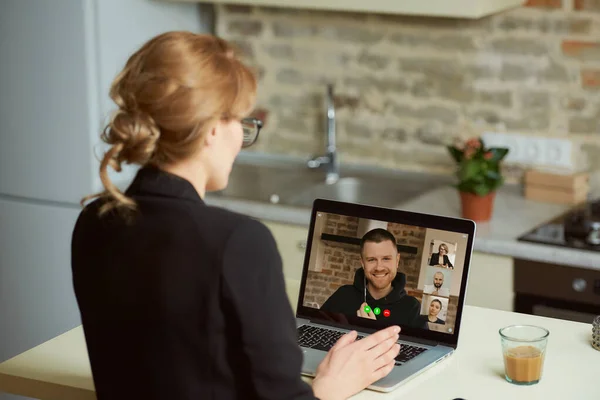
pixel 410 264
pixel 452 306
pixel 407 85
pixel 341 225
pixel 339 263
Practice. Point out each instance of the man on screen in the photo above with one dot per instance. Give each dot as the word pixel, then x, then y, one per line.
pixel 436 288
pixel 378 290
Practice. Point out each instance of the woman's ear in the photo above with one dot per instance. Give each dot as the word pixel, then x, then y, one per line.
pixel 211 135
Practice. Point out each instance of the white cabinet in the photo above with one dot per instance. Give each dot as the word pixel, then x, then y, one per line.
pixel 292 288
pixel 434 8
pixel 491 282
pixel 37 301
pixel 291 242
pixel 45 152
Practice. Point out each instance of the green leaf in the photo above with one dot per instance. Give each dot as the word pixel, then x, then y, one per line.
pixel 492 175
pixel 465 187
pixel 498 153
pixel 469 170
pixel 481 190
pixel 496 184
pixel 456 154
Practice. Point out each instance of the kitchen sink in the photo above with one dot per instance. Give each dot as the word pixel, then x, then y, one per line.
pixel 293 184
pixel 271 184
pixel 386 192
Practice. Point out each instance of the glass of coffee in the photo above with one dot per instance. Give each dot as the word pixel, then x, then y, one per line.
pixel 523 348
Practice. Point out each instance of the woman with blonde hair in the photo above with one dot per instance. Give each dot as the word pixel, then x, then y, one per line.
pixel 441 259
pixel 178 299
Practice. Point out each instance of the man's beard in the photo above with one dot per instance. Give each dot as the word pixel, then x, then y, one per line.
pixel 437 285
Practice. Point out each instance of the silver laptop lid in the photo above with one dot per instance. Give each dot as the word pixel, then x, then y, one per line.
pixel 369 267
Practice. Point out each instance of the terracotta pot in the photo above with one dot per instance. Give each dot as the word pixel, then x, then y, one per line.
pixel 477 208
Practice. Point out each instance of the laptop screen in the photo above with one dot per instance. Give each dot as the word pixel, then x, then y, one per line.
pixel 385 271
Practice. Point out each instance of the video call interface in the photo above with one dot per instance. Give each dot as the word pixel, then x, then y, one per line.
pixel 401 274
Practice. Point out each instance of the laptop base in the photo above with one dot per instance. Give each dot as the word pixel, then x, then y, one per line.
pixel 399 374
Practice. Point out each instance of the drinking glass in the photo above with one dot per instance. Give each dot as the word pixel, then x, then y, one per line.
pixel 523 349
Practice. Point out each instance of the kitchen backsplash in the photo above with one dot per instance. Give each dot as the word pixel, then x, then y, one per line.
pixel 406 86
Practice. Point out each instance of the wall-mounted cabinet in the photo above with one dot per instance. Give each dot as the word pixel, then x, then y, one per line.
pixel 471 9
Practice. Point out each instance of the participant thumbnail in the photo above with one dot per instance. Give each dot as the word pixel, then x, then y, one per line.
pixel 442 253
pixel 437 281
pixel 434 309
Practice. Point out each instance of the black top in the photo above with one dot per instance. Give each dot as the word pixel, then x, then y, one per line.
pixel 404 309
pixel 435 260
pixel 425 319
pixel 187 302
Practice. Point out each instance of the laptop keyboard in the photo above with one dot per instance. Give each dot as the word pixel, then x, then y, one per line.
pixel 318 338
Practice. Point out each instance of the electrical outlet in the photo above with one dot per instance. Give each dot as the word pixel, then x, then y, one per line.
pixel 559 153
pixel 533 150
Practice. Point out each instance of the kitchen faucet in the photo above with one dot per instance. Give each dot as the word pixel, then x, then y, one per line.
pixel 330 159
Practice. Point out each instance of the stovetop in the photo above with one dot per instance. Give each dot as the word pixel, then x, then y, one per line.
pixel 578 228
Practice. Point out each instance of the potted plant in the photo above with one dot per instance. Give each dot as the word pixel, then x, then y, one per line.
pixel 479 176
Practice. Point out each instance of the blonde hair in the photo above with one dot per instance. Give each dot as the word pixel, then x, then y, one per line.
pixel 170 93
pixel 443 246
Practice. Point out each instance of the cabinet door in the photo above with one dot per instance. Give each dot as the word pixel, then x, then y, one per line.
pixel 46 108
pixel 491 282
pixel 292 288
pixel 291 242
pixel 37 301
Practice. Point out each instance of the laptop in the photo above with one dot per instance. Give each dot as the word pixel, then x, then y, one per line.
pixel 356 278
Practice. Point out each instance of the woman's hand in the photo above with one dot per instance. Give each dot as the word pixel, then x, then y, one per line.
pixel 350 365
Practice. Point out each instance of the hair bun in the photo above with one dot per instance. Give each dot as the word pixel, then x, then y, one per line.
pixel 135 133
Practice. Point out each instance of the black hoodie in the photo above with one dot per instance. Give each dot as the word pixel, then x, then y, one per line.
pixel 404 309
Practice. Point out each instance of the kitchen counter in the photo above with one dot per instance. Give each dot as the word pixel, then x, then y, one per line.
pixel 513 216
pixel 59 369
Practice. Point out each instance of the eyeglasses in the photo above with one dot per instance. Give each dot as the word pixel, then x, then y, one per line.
pixel 251 128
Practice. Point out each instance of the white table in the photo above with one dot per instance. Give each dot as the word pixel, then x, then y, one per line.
pixel 59 369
